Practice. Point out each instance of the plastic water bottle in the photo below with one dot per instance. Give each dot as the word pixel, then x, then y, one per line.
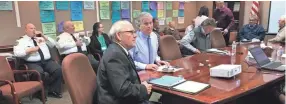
pixel 233 52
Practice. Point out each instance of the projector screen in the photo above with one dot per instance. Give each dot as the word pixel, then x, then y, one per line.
pixel 277 9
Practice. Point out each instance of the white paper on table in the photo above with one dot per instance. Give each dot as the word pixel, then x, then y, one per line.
pixel 168 68
pixel 191 86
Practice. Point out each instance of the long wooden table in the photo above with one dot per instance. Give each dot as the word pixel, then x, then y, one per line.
pixel 222 90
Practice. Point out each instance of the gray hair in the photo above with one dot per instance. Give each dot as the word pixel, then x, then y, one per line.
pixel 117 27
pixel 209 22
pixel 138 20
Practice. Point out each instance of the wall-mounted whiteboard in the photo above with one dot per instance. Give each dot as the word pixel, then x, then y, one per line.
pixel 277 9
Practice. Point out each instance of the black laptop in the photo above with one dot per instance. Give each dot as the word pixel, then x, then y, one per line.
pixel 264 62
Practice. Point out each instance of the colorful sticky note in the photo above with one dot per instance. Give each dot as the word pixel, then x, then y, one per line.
pixel 153 5
pixel 49 28
pixel 78 25
pixel 125 13
pixel 115 5
pixel 116 14
pixel 145 10
pixel 76 15
pixel 88 5
pixel 175 13
pixel 153 13
pixel 46 5
pixel 169 5
pixel 160 13
pixel 160 5
pixel 6 5
pixel 62 5
pixel 181 5
pixel 47 16
pixel 76 5
pixel 61 27
pixel 53 36
pixel 104 14
pixel 145 5
pixel 136 13
pixel 181 20
pixel 161 21
pixel 181 13
pixel 124 4
pixel 113 20
pixel 104 5
pixel 169 19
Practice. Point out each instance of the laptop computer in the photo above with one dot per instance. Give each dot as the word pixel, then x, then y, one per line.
pixel 264 62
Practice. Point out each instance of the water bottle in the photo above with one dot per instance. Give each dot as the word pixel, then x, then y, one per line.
pixel 233 52
pixel 279 53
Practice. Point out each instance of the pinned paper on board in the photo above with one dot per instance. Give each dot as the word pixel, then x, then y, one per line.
pixel 76 5
pixel 145 5
pixel 46 5
pixel 161 21
pixel 76 15
pixel 160 13
pixel 169 5
pixel 116 14
pixel 53 36
pixel 115 5
pixel 104 5
pixel 125 13
pixel 88 5
pixel 104 14
pixel 6 5
pixel 181 13
pixel 153 5
pixel 47 16
pixel 136 13
pixel 124 4
pixel 175 13
pixel 49 28
pixel 169 19
pixel 181 5
pixel 113 20
pixel 236 6
pixel 78 25
pixel 160 5
pixel 62 5
pixel 153 13
pixel 61 27
pixel 181 20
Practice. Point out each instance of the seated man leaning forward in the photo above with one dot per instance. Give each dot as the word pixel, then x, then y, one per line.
pixel 144 53
pixel 199 39
pixel 117 81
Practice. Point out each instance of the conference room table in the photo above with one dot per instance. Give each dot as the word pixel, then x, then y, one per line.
pixel 222 90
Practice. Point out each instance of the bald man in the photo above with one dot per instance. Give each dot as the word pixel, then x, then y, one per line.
pixel 171 30
pixel 33 48
pixel 70 42
pixel 281 32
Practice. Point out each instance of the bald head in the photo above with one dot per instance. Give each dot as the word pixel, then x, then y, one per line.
pixel 172 24
pixel 30 29
pixel 282 21
pixel 68 27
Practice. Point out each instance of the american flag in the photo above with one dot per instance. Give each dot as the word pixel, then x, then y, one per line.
pixel 255 8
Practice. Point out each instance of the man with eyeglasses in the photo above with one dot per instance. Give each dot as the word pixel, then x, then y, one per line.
pixel 144 53
pixel 117 81
pixel 252 31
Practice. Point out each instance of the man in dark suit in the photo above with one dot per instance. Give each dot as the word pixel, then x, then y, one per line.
pixel 117 79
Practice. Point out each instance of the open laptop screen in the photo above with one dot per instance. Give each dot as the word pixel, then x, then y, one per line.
pixel 259 56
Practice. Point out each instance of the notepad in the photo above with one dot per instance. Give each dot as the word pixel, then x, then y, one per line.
pixel 167 81
pixel 191 87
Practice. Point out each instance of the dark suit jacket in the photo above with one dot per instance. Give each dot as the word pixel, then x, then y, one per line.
pixel 95 47
pixel 117 80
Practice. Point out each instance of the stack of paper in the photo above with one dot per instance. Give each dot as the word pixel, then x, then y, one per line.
pixel 214 50
pixel 165 68
pixel 191 87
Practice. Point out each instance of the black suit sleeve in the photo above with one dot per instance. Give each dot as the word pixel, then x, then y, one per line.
pixel 118 73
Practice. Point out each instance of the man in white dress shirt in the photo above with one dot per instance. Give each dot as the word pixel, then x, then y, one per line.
pixel 33 48
pixel 70 42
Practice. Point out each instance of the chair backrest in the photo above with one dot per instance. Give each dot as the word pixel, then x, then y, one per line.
pixel 217 39
pixel 55 55
pixel 169 48
pixel 6 73
pixel 80 78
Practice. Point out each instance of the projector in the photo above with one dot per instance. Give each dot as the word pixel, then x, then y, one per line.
pixel 225 70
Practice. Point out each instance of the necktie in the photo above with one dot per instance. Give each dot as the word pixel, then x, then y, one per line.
pixel 78 47
pixel 40 51
pixel 150 51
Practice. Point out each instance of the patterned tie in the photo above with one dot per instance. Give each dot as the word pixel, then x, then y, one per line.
pixel 78 47
pixel 150 51
pixel 40 51
pixel 131 59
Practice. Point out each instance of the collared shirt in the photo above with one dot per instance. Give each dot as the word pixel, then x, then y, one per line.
pixel 224 17
pixel 140 53
pixel 280 35
pixel 250 32
pixel 26 42
pixel 67 45
pixel 189 38
pixel 125 50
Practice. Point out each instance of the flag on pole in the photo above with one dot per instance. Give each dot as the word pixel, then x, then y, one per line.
pixel 255 8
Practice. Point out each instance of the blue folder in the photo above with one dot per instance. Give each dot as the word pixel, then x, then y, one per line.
pixel 167 81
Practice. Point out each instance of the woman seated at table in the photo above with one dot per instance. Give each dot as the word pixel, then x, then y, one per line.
pixel 99 41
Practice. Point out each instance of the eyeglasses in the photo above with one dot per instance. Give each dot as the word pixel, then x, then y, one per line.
pixel 131 31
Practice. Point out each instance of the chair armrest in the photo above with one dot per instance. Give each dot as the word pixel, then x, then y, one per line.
pixel 28 71
pixel 11 85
